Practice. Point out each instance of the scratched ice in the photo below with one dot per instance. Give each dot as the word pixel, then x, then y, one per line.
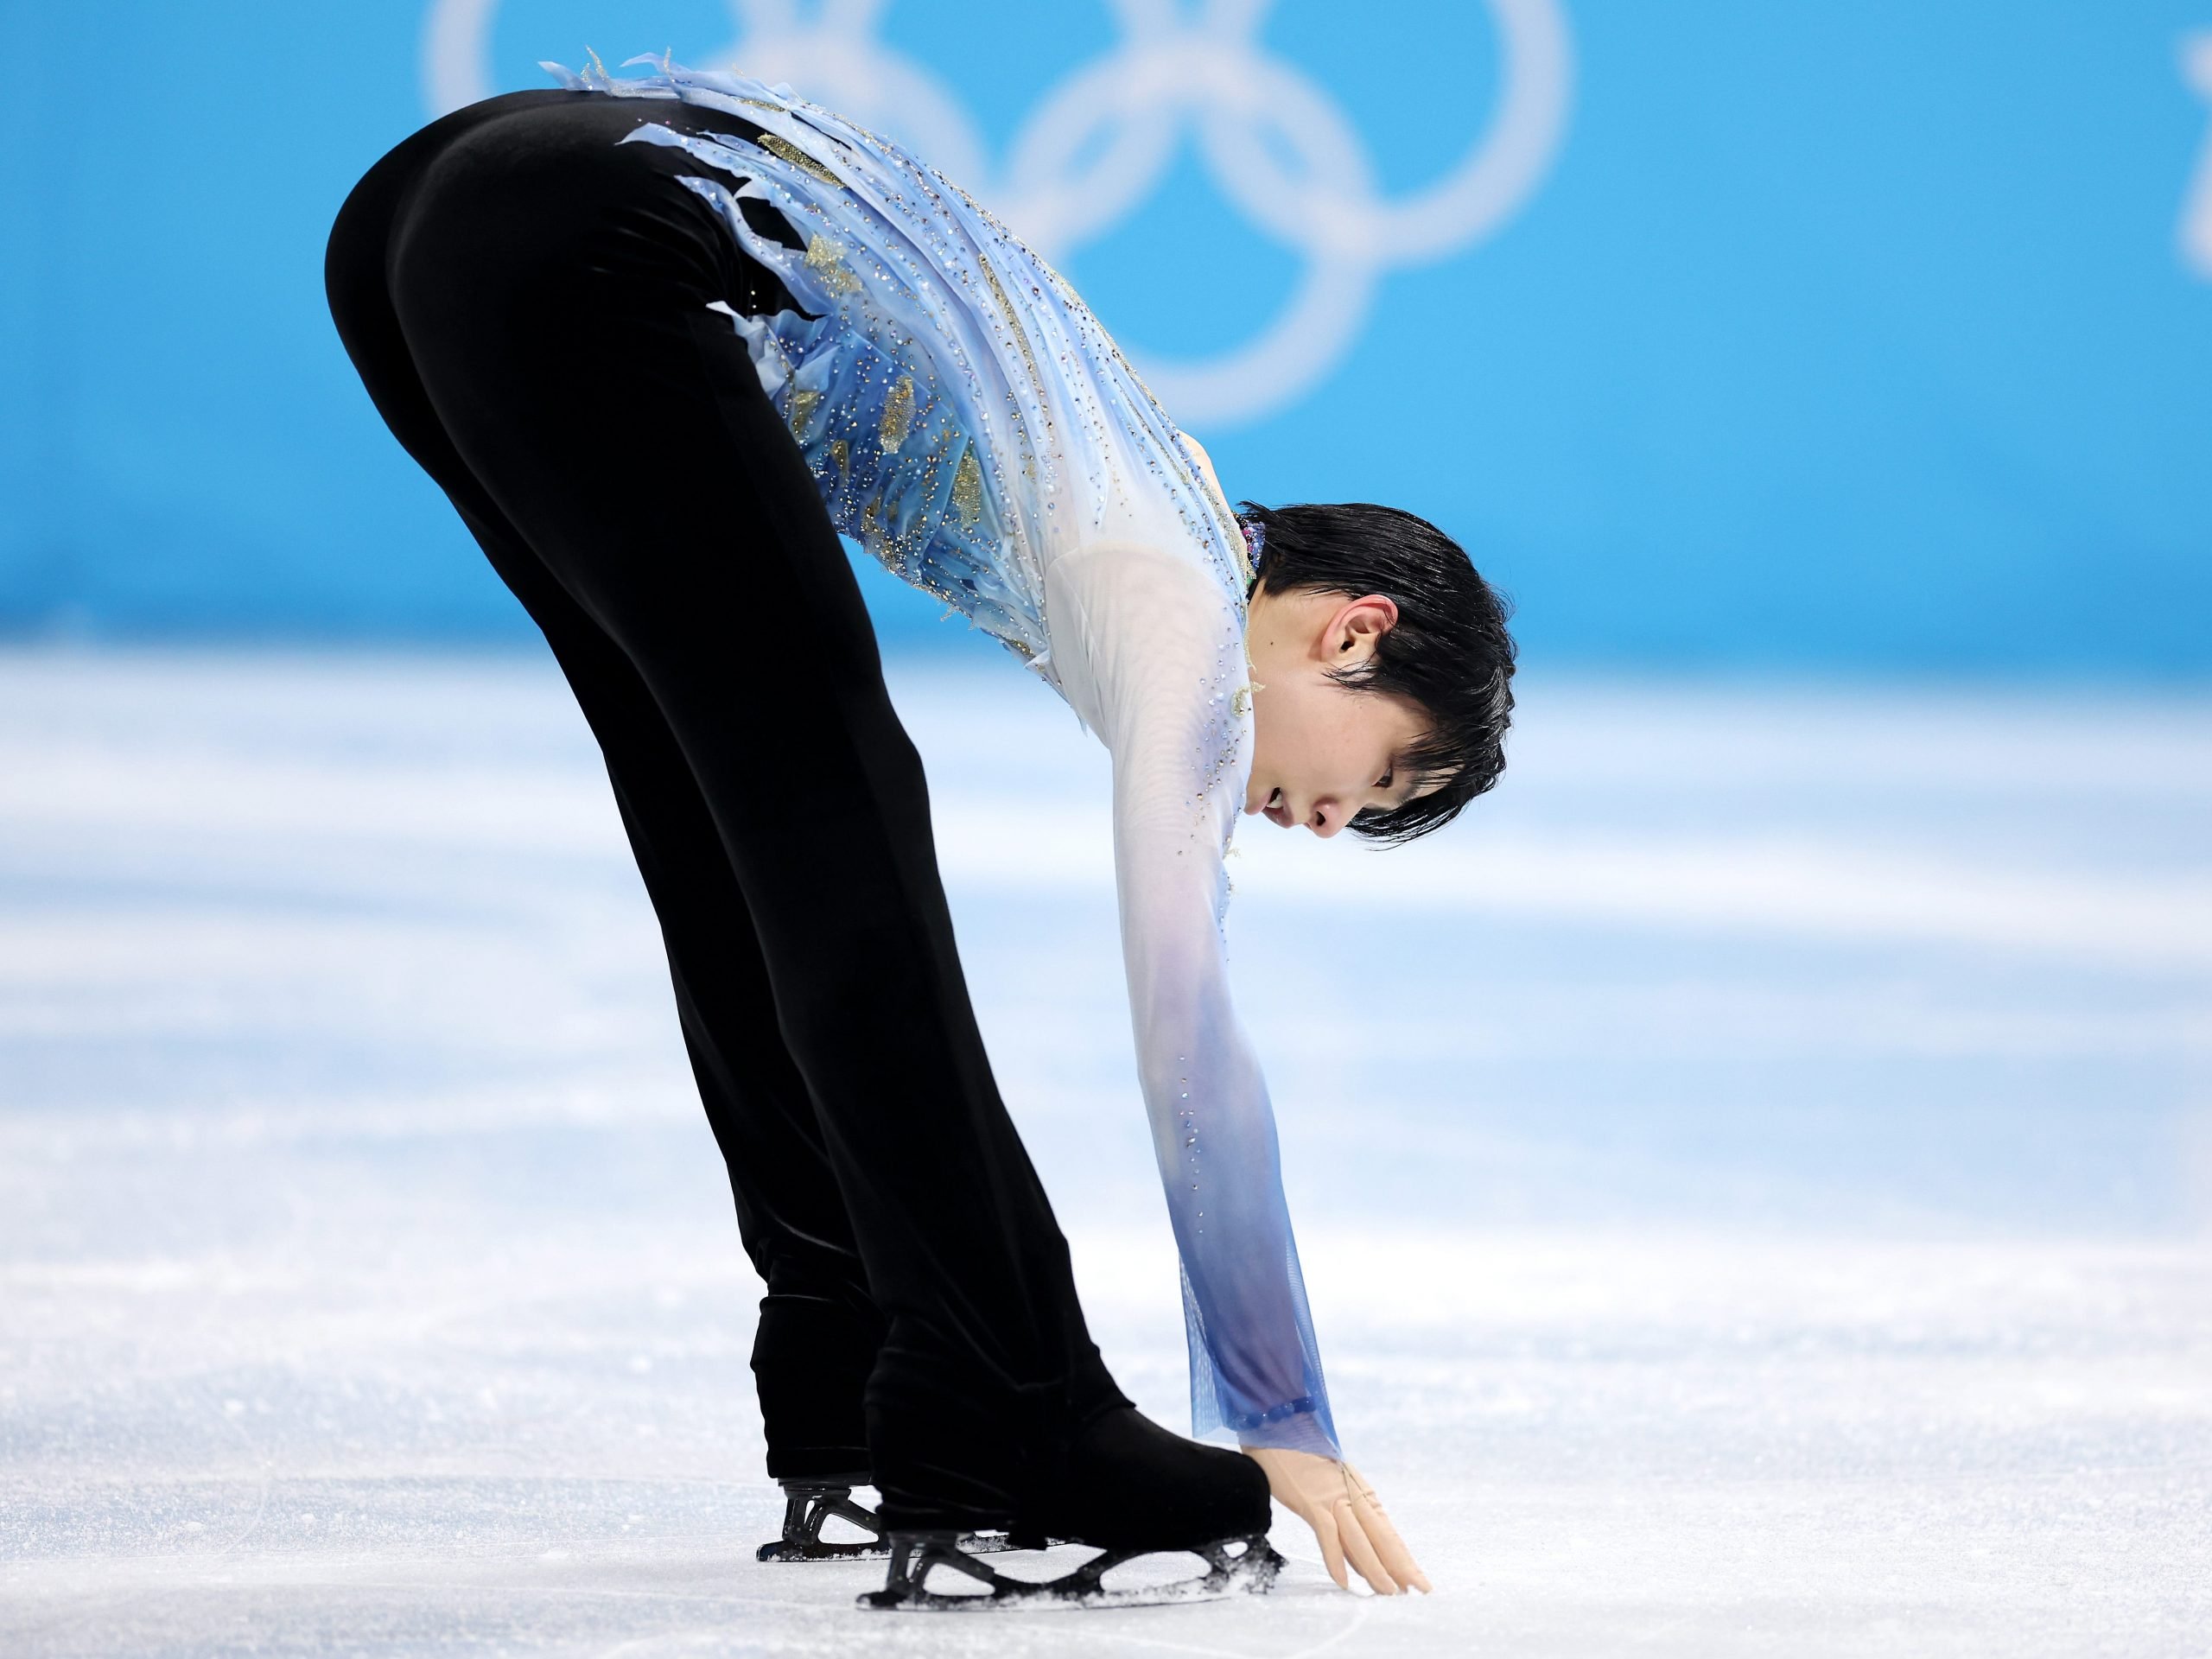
pixel 1754 1178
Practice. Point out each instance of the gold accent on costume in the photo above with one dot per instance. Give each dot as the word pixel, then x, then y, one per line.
pixel 897 415
pixel 968 487
pixel 1013 322
pixel 825 257
pixel 803 405
pixel 842 454
pixel 777 144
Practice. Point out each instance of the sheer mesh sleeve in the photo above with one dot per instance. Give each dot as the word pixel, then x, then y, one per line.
pixel 1150 652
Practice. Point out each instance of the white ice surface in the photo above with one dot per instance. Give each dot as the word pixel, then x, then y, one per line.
pixel 1756 1176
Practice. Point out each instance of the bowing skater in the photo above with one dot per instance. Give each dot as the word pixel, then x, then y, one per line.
pixel 660 341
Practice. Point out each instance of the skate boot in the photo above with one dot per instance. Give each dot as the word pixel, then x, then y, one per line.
pixel 812 1357
pixel 810 1360
pixel 1121 1484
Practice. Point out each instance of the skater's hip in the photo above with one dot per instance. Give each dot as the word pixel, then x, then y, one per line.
pixel 533 190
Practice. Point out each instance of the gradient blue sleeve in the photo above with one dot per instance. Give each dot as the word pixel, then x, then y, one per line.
pixel 1168 685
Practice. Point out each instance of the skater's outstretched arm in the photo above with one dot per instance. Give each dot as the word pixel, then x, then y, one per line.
pixel 1161 678
pixel 1155 664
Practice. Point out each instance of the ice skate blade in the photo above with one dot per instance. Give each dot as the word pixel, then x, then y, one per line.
pixel 809 1503
pixel 1244 1566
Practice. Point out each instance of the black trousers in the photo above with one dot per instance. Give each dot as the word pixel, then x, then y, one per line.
pixel 525 304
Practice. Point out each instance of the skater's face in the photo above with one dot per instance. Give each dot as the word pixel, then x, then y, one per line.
pixel 1323 753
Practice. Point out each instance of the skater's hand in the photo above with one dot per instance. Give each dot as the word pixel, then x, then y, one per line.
pixel 1345 1516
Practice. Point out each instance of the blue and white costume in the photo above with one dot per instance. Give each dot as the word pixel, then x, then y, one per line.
pixel 972 427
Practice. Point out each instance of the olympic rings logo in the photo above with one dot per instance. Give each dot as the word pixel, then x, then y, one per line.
pixel 1276 144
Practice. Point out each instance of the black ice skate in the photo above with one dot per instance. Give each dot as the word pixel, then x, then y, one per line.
pixel 1244 1566
pixel 809 1503
pixel 1121 1485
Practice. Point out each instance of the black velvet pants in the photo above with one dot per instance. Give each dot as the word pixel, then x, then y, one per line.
pixel 525 303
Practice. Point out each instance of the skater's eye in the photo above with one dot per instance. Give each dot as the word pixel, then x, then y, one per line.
pixel 1383 782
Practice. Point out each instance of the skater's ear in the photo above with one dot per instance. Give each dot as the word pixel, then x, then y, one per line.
pixel 1348 638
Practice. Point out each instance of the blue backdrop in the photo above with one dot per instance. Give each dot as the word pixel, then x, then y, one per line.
pixel 1873 335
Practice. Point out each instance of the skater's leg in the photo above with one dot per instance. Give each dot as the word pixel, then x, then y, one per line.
pixel 991 1389
pixel 819 1330
pixel 620 427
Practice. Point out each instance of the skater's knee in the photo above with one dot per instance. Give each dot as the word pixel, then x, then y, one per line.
pixel 820 1017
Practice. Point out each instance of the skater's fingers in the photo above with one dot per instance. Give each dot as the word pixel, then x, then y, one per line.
pixel 1375 1521
pixel 1391 1548
pixel 1332 1550
pixel 1361 1551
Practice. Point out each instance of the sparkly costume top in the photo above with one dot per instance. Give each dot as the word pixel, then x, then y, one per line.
pixel 971 426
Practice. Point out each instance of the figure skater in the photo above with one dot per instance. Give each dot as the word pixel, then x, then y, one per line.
pixel 660 339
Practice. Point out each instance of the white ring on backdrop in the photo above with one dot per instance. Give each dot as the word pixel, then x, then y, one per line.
pixel 456 54
pixel 2196 208
pixel 1278 146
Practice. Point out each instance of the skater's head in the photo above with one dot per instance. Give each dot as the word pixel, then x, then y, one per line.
pixel 1382 671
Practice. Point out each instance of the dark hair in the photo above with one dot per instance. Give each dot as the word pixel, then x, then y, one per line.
pixel 1449 654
